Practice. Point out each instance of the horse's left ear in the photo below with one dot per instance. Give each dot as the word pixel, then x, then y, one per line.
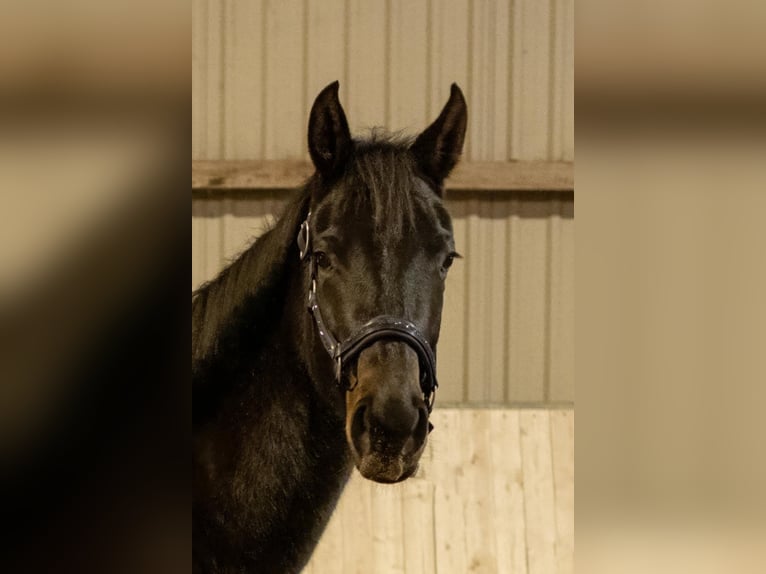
pixel 438 148
pixel 329 136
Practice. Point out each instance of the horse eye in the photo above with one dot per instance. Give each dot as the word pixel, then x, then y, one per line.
pixel 322 259
pixel 449 260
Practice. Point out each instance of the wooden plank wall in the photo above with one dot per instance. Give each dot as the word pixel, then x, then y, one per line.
pixel 258 64
pixel 508 320
pixel 495 493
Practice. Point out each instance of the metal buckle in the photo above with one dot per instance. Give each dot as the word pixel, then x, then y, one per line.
pixel 304 238
pixel 338 368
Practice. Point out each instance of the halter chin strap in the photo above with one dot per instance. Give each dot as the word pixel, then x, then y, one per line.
pixel 380 327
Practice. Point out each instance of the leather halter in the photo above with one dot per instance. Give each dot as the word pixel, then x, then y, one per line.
pixel 380 327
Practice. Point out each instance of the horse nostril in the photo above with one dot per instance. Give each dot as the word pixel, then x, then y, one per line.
pixel 360 438
pixel 359 423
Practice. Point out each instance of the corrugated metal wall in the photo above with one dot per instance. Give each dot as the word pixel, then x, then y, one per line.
pixel 258 64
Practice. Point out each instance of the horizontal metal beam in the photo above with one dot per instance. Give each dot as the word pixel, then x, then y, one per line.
pixel 288 174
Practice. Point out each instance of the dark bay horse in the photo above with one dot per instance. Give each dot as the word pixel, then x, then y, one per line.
pixel 314 350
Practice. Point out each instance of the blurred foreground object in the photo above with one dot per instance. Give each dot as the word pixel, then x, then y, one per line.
pixel 93 273
pixel 671 141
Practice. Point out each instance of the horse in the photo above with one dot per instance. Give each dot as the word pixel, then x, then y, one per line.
pixel 314 351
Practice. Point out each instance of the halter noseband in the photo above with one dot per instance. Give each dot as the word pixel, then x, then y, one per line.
pixel 380 327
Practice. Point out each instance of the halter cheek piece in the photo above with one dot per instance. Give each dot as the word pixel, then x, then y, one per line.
pixel 380 327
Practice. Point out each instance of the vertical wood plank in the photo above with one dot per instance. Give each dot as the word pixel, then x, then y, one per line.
pixel 418 526
pixel 530 117
pixel 478 492
pixel 284 114
pixel 538 491
pixel 245 86
pixel 407 65
pixel 329 553
pixel 358 530
pixel 452 344
pixel 562 441
pixel 387 536
pixel 528 264
pixel 366 65
pixel 508 484
pixel 448 472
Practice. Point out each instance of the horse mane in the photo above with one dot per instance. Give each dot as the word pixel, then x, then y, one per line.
pixel 245 296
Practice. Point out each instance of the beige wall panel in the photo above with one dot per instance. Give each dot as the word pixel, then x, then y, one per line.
pixel 530 117
pixel 245 63
pixel 487 90
pixel 561 385
pixel 215 62
pixel 449 32
pixel 476 262
pixel 508 321
pixel 365 95
pixel 199 78
pixel 257 65
pixel 285 111
pixel 528 312
pixel 325 57
pixel 562 90
pixel 452 350
pixel 491 480
pixel 407 71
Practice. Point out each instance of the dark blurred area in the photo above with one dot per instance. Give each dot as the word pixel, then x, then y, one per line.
pixel 94 262
pixel 670 101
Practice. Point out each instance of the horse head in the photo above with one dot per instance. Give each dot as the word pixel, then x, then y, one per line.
pixel 377 244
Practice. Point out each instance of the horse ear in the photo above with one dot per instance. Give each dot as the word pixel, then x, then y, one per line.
pixel 329 136
pixel 438 148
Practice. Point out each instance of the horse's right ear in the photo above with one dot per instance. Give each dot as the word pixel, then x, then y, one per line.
pixel 329 136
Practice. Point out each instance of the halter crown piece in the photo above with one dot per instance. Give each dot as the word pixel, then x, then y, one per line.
pixel 380 327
